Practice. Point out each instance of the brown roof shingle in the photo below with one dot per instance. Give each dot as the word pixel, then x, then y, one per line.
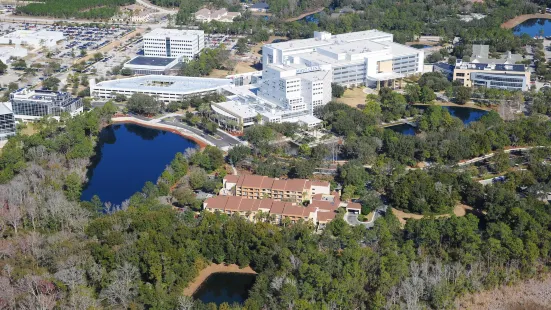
pixel 252 181
pixel 217 202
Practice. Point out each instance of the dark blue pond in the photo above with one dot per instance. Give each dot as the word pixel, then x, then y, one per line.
pixel 467 115
pixel 127 156
pixel 420 46
pixel 533 27
pixel 405 129
pixel 225 287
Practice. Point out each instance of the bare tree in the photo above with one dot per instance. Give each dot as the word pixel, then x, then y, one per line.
pixel 122 288
pixel 185 303
pixel 39 293
pixel 12 215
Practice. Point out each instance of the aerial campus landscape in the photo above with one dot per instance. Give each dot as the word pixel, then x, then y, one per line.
pixel 275 154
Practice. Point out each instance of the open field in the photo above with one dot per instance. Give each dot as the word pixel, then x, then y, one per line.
pixel 353 97
pixel 458 210
pixel 529 295
pixel 512 23
pixel 29 130
pixel 214 268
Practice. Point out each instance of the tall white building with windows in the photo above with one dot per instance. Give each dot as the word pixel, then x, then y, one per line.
pixel 357 58
pixel 176 43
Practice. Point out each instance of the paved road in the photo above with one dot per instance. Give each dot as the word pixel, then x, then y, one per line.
pixel 352 219
pixel 224 143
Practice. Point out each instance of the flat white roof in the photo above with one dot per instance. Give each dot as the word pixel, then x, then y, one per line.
pixel 165 84
pixel 335 40
pixel 36 34
pixel 162 33
pixel 4 109
pixel 242 110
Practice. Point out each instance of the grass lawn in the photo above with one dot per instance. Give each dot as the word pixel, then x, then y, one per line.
pixel 353 97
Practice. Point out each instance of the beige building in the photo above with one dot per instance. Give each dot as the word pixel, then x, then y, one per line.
pixel 270 210
pixel 222 15
pixel 503 76
pixel 262 187
pixel 482 71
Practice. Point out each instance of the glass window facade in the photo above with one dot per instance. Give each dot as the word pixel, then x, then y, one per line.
pixel 503 81
pixel 7 125
pixel 41 102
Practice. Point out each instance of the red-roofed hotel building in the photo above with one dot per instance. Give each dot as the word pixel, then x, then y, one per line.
pixel 262 187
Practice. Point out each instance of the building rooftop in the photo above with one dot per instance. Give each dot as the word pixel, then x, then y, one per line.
pixel 151 61
pixel 162 33
pixel 491 66
pixel 324 217
pixel 164 83
pixel 480 51
pixel 39 34
pixel 368 35
pixel 4 109
pixel 260 5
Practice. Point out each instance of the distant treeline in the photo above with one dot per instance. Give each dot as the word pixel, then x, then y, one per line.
pixel 90 9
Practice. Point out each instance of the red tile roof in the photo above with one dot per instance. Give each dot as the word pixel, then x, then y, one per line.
pixel 279 185
pixel 277 207
pixel 354 206
pixel 247 205
pixel 324 205
pixel 231 178
pixel 324 217
pixel 320 183
pixel 295 185
pixel 252 181
pixel 217 202
pixel 233 203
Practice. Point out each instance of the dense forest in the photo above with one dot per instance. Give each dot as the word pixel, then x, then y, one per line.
pixel 58 252
pixel 90 9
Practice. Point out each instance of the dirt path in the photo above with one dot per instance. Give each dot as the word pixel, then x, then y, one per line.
pixel 301 16
pixel 214 268
pixel 512 23
pixel 458 210
pixel 529 295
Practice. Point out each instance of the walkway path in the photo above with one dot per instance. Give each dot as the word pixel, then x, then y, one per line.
pixel 301 16
pixel 490 155
pixel 201 141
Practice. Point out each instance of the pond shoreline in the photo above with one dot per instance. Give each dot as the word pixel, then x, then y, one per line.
pixel 128 120
pixel 212 269
pixel 512 23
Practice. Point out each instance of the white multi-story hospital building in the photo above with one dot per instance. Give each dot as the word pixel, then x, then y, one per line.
pixel 296 77
pixel 357 58
pixel 173 43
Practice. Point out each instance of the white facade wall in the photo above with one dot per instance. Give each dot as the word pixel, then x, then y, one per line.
pixel 353 58
pixel 174 43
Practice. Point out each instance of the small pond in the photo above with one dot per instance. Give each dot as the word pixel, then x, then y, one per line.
pixel 532 27
pixel 127 156
pixel 467 115
pixel 224 287
pixel 405 129
pixel 419 46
